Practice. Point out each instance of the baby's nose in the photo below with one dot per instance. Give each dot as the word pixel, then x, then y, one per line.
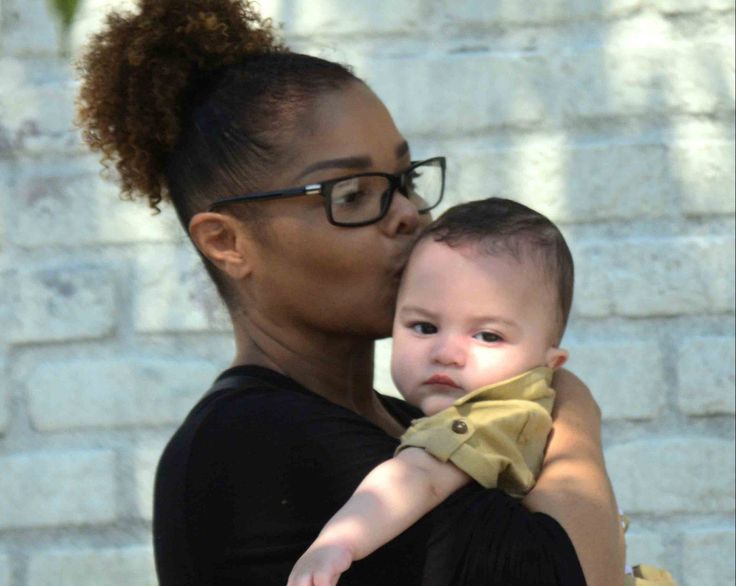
pixel 449 351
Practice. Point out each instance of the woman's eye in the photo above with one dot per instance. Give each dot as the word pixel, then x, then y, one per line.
pixel 488 337
pixel 349 192
pixel 424 328
pixel 352 197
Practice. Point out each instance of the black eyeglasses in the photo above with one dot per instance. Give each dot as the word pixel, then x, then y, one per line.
pixel 364 198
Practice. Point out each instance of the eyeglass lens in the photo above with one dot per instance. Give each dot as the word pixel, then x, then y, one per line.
pixel 356 200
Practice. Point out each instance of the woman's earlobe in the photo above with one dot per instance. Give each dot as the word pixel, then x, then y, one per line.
pixel 220 239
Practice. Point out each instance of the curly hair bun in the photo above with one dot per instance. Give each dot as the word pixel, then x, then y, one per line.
pixel 143 68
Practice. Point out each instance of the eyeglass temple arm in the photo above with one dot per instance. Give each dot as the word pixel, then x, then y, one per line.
pixel 313 189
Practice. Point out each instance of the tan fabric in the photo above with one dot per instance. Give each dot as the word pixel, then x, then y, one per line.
pixel 495 434
pixel 645 575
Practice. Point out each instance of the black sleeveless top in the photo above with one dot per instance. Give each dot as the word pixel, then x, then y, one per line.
pixel 259 466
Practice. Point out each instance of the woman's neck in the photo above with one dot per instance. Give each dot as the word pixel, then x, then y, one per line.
pixel 339 369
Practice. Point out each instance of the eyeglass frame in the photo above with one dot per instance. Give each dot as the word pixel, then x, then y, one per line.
pixel 397 182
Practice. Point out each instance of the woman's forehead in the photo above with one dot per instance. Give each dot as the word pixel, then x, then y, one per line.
pixel 348 130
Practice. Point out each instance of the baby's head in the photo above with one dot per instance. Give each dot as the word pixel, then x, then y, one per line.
pixel 484 297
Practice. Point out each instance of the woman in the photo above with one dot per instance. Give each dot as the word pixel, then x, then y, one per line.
pixel 300 194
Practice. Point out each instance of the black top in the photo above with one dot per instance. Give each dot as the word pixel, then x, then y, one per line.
pixel 258 467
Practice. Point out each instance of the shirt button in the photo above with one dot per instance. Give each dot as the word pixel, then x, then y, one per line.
pixel 459 426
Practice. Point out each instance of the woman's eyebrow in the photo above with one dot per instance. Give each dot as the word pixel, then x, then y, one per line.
pixel 361 162
pixel 343 163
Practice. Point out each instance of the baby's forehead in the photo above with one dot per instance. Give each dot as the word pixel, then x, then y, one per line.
pixel 516 249
pixel 534 266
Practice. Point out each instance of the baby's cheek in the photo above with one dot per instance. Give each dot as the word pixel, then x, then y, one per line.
pixel 400 375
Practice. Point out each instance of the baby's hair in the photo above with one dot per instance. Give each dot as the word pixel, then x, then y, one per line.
pixel 196 101
pixel 502 226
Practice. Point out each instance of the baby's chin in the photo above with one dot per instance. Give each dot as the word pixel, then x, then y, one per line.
pixel 436 403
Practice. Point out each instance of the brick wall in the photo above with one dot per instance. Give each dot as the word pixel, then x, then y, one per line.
pixel 614 117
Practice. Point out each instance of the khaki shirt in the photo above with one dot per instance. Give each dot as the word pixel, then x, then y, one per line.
pixel 644 575
pixel 495 434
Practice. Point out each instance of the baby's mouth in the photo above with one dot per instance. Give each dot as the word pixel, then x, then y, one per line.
pixel 442 379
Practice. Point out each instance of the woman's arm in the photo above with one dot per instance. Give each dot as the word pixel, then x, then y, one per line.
pixel 390 499
pixel 574 488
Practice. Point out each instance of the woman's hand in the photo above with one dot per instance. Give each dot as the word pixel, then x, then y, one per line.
pixel 573 486
pixel 321 565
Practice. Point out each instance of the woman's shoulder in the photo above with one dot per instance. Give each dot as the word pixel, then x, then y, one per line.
pixel 255 404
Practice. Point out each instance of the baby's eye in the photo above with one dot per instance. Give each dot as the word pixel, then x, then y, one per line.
pixel 423 327
pixel 488 337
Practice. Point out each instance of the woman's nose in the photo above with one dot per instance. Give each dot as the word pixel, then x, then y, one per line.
pixel 402 216
pixel 449 351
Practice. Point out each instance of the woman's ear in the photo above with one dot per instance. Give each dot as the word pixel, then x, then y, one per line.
pixel 556 357
pixel 223 240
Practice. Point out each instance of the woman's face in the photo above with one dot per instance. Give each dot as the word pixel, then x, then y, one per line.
pixel 311 274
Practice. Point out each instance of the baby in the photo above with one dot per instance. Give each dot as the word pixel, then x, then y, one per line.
pixel 481 310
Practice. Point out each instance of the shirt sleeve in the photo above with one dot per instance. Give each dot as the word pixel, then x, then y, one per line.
pixel 487 537
pixel 496 435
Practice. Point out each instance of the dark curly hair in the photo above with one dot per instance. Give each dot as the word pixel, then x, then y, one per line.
pixel 195 100
pixel 496 226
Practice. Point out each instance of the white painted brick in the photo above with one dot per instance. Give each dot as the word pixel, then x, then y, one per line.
pixel 57 488
pixel 643 277
pixel 5 571
pixel 62 303
pixel 93 567
pixel 646 548
pixel 705 170
pixel 578 184
pixel 5 173
pixel 634 82
pixel 708 557
pixel 382 369
pixel 683 474
pixel 473 13
pixel 636 390
pixel 175 294
pixel 592 279
pixel 13 75
pixel 115 393
pixel 705 371
pixel 684 6
pixel 342 17
pixel 36 117
pixel 90 18
pixel 145 461
pixel 672 276
pixel 4 393
pixel 59 201
pixel 20 18
pixel 461 93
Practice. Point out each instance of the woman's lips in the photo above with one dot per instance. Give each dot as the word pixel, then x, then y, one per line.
pixel 441 379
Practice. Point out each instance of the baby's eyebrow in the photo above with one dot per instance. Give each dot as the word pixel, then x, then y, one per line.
pixel 492 319
pixel 416 309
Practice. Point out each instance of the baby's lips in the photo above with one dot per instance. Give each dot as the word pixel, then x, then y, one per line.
pixel 442 379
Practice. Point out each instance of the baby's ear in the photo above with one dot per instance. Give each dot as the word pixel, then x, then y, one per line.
pixel 556 357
